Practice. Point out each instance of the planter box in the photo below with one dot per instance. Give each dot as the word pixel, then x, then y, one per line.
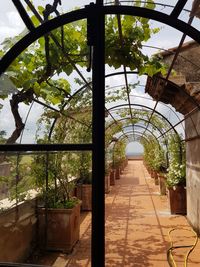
pixel 84 193
pixel 107 183
pixel 162 184
pixel 152 173
pixel 177 199
pixel 117 173
pixel 62 230
pixel 155 176
pixel 112 177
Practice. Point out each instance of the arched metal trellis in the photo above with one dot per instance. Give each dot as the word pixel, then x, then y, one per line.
pixel 148 108
pixel 95 14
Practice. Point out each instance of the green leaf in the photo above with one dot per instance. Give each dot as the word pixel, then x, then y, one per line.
pixel 35 21
pixel 40 9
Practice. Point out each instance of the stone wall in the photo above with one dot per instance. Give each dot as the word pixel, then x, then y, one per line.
pixel 192 127
pixel 191 52
pixel 188 74
pixel 18 232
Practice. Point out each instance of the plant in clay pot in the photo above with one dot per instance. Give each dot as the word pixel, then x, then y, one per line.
pixel 84 182
pixel 159 164
pixel 176 176
pixel 153 157
pixel 58 211
pixel 118 157
pixel 107 177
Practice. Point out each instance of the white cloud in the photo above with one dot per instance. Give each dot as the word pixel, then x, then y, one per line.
pixel 30 127
pixel 11 25
pixel 14 19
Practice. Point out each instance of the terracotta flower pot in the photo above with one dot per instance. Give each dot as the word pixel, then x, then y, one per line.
pixel 117 173
pixel 162 183
pixel 84 193
pixel 112 177
pixel 155 177
pixel 177 199
pixel 62 230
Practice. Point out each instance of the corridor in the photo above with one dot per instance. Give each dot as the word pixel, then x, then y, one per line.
pixel 137 225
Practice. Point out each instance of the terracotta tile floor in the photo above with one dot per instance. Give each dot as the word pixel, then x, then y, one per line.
pixel 137 225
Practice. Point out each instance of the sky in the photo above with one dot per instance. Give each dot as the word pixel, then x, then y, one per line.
pixel 11 25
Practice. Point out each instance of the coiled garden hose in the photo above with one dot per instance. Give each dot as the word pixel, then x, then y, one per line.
pixel 191 247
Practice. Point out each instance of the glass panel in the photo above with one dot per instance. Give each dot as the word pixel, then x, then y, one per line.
pixel 11 24
pixel 61 182
pixel 47 88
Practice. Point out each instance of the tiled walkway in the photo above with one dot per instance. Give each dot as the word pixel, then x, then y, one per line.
pixel 137 225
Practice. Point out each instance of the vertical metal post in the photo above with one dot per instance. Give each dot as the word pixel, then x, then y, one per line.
pixel 98 165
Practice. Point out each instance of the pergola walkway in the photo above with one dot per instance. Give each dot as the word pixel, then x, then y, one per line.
pixel 137 225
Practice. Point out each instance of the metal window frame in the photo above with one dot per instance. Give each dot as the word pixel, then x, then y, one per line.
pixel 97 12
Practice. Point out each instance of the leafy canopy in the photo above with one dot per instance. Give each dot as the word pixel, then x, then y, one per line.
pixel 41 66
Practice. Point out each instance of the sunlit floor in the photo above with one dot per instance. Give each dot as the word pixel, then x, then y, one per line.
pixel 137 225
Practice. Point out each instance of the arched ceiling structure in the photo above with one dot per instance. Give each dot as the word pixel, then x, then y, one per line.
pixel 178 17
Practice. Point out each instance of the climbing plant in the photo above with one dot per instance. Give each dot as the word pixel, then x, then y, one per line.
pixel 154 154
pixel 42 70
pixel 177 161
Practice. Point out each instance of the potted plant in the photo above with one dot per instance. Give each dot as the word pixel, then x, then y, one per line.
pixel 58 210
pixel 107 178
pixel 162 176
pixel 160 168
pixel 84 182
pixel 176 176
pixel 112 175
pixel 118 157
pixel 152 157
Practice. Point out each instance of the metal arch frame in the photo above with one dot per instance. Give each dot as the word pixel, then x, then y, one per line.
pixel 110 125
pixel 135 72
pixel 84 13
pixel 131 133
pixel 142 127
pixel 162 78
pixel 143 9
pixel 121 73
pixel 98 12
pixel 155 111
pixel 127 118
pixel 106 76
pixel 127 137
pixel 170 109
pixel 115 74
pixel 123 105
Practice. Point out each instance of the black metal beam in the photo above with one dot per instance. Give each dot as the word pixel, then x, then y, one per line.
pixel 23 14
pixel 46 147
pixel 60 112
pixel 178 8
pixel 98 136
